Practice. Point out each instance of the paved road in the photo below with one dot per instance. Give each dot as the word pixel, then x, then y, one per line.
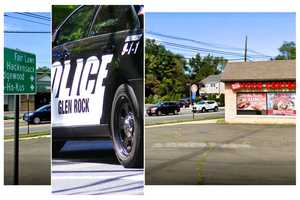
pixel 34 161
pixel 220 154
pixel 9 127
pixel 185 114
pixel 92 168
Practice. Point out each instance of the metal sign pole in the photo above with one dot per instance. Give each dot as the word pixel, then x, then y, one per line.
pixel 28 113
pixel 16 151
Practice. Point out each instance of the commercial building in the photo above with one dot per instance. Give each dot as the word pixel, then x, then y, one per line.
pixel 260 92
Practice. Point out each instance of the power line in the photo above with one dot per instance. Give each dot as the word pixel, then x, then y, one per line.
pixel 206 50
pixel 218 46
pixel 27 20
pixel 198 49
pixel 188 50
pixel 33 16
pixel 179 56
pixel 27 32
pixel 41 16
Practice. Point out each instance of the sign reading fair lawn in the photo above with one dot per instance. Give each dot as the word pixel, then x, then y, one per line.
pixel 19 72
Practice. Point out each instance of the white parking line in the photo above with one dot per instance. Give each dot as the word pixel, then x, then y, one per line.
pixel 97 177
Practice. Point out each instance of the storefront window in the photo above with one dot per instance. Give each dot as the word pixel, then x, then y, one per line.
pixel 266 104
pixel 281 104
pixel 251 103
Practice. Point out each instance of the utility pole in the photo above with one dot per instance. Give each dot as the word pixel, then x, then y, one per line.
pixel 245 55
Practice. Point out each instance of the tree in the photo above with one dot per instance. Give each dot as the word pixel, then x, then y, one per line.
pixel 287 51
pixel 201 67
pixel 59 13
pixel 164 72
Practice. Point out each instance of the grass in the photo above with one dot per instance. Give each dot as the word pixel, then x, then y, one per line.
pixel 222 121
pixel 35 134
pixel 8 117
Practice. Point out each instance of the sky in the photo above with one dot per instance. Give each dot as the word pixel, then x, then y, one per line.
pixel 39 44
pixel 266 32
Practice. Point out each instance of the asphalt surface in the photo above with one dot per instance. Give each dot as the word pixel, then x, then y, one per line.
pixel 217 154
pixel 185 114
pixel 90 167
pixel 23 128
pixel 35 161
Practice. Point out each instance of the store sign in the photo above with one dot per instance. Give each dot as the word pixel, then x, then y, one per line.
pixel 19 72
pixel 281 104
pixel 251 101
pixel 271 85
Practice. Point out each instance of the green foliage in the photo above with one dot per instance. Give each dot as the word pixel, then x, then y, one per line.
pixel 167 74
pixel 59 13
pixel 287 51
pixel 164 71
pixel 202 67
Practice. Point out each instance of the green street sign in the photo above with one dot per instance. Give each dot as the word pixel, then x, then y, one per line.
pixel 19 72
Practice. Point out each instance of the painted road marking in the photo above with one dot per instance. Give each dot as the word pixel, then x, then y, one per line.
pixel 139 177
pixel 210 121
pixel 200 145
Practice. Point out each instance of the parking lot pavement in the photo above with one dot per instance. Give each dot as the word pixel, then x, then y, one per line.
pixel 91 167
pixel 220 154
pixel 35 161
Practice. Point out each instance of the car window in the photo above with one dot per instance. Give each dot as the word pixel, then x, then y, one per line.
pixel 76 26
pixel 112 19
pixel 43 108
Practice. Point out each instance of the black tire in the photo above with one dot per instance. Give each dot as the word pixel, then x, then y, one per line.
pixel 149 114
pixel 57 146
pixel 203 110
pixel 127 128
pixel 216 109
pixel 159 113
pixel 36 120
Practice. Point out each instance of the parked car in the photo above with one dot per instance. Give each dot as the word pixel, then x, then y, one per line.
pixel 204 106
pixel 98 79
pixel 184 103
pixel 42 114
pixel 164 108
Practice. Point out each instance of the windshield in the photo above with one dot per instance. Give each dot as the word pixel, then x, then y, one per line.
pixel 42 108
pixel 201 103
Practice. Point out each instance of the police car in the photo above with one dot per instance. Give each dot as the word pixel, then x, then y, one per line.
pixel 97 79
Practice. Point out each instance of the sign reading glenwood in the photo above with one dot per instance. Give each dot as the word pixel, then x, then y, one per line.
pixel 19 72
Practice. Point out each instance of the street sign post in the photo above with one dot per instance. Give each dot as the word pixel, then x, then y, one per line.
pixel 194 89
pixel 19 72
pixel 19 78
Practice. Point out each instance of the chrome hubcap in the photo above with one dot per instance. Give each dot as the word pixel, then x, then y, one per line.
pixel 129 125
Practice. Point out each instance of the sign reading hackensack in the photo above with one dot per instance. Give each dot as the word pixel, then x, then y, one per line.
pixel 73 104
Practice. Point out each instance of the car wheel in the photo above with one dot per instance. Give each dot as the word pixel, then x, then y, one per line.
pixel 126 127
pixel 36 120
pixel 149 114
pixel 57 146
pixel 159 113
pixel 216 109
pixel 203 110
